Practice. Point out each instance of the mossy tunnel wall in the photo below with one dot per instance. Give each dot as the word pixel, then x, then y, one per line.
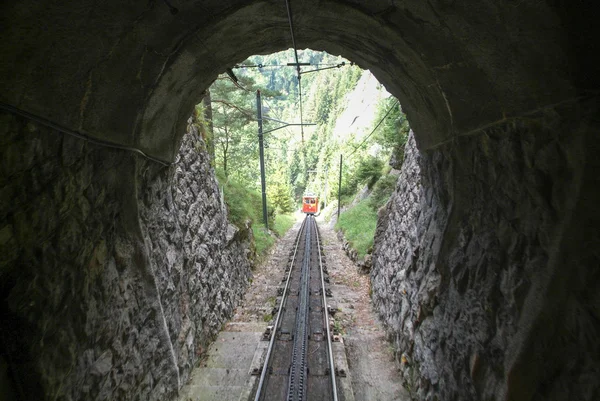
pixel 116 270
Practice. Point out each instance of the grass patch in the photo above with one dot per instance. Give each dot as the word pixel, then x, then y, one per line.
pixel 382 191
pixel 263 240
pixel 283 222
pixel 242 202
pixel 358 225
pixel 359 222
pixel 245 204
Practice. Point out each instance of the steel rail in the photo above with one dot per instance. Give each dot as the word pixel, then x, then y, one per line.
pixel 278 318
pixel 326 316
pixel 298 371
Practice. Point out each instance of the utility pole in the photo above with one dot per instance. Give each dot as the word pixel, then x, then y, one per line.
pixel 325 189
pixel 340 191
pixel 263 184
pixel 261 148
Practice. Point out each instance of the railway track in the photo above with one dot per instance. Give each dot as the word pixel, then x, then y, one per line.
pixel 299 364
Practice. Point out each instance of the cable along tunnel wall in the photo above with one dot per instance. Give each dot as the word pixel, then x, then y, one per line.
pixel 134 272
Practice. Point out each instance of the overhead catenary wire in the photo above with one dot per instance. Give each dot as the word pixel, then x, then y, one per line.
pixel 339 65
pixel 289 12
pixel 260 65
pixel 375 129
pixel 290 19
pixel 248 113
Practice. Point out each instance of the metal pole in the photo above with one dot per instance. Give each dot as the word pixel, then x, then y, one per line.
pixel 325 189
pixel 263 184
pixel 340 191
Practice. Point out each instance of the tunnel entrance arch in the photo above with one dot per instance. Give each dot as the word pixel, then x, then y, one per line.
pixel 487 87
pixel 136 84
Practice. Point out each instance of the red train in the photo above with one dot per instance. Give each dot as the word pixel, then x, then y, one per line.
pixel 310 204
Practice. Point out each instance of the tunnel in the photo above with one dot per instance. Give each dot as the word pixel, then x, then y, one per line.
pixel 118 265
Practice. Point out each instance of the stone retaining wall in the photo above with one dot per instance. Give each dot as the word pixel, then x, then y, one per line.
pixel 485 267
pixel 115 272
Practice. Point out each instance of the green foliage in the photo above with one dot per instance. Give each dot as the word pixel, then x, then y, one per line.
pixel 282 199
pixel 233 127
pixel 382 191
pixel 393 132
pixel 283 222
pixel 263 240
pixel 199 119
pixel 359 222
pixel 358 225
pixel 369 170
pixel 295 162
pixel 243 203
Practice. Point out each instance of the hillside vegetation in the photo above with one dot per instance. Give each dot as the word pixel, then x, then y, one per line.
pixel 353 115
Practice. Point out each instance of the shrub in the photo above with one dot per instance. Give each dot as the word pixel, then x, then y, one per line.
pixel 382 191
pixel 369 171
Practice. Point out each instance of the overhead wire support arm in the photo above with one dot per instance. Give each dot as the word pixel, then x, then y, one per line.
pixel 343 63
pixel 287 125
pixel 260 65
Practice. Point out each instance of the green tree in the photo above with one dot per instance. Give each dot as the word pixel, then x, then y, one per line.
pixel 369 170
pixel 281 198
pixel 393 132
pixel 233 123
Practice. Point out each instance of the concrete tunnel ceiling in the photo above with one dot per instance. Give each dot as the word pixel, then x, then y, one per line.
pixel 131 73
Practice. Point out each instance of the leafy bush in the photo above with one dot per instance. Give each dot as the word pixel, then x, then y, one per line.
pixel 281 197
pixel 393 133
pixel 359 223
pixel 382 191
pixel 243 203
pixel 369 171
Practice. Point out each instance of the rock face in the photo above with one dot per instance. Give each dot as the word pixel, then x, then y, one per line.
pixel 116 272
pixel 484 270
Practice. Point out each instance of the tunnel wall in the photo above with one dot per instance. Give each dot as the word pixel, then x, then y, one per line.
pixel 132 73
pixel 486 264
pixel 108 266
